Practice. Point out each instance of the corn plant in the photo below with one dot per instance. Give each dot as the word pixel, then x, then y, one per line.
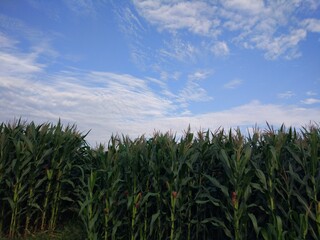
pixel 4 155
pixel 35 139
pixel 18 183
pixel 305 154
pixel 27 179
pixel 89 208
pixel 209 185
pixel 110 185
pixel 235 161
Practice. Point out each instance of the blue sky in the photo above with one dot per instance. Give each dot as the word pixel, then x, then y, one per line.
pixel 133 67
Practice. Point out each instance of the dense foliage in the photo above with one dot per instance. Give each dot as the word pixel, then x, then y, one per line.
pixel 219 185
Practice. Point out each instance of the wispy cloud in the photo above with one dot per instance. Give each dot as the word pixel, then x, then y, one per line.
pixel 194 16
pixel 233 84
pixel 220 49
pixel 253 23
pixel 36 43
pixel 164 75
pixel 285 44
pixel 244 116
pixel 129 23
pixel 311 24
pixel 311 93
pixel 120 103
pixel 251 6
pixel 18 27
pixel 6 41
pixel 81 7
pixel 179 49
pixel 17 64
pixel 111 102
pixel 199 75
pixel 193 91
pixel 286 95
pixel 310 101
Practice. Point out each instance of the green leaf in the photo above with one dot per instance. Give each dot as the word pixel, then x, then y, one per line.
pixel 147 196
pixel 295 176
pixel 39 182
pixel 35 205
pixel 66 199
pixel 262 178
pixel 218 223
pixel 279 227
pixel 200 202
pixel 115 228
pixel 254 223
pixel 264 234
pixel 245 159
pixel 226 164
pixel 153 219
pixel 12 205
pixel 216 183
pixel 68 182
pixel 303 224
pixel 92 221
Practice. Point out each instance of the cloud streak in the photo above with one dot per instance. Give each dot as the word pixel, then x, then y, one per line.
pixel 119 100
pixel 310 101
pixel 253 24
pixel 110 103
pixel 125 104
pixel 220 49
pixel 233 84
pixel 286 95
pixel 193 16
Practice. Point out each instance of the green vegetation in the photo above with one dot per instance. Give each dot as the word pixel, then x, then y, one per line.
pixel 209 185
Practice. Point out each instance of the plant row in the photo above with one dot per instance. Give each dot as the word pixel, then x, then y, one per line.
pixel 208 185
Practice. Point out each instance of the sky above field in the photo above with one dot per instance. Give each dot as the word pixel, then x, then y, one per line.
pixel 134 67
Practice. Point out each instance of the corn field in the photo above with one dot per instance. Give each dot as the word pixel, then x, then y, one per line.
pixel 205 185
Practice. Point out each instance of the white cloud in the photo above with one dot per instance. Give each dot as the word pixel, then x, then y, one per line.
pixel 17 64
pixel 104 101
pixel 311 93
pixel 233 84
pixel 274 27
pixel 244 116
pixel 180 50
pixel 36 44
pixel 310 101
pixel 312 25
pixel 286 95
pixel 193 91
pixel 194 16
pixel 199 75
pixel 285 44
pixel 220 49
pixel 251 6
pixel 115 102
pixel 129 23
pixel 13 25
pixel 255 112
pixel 108 103
pixel 311 4
pixel 81 7
pixel 120 103
pixel 6 41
